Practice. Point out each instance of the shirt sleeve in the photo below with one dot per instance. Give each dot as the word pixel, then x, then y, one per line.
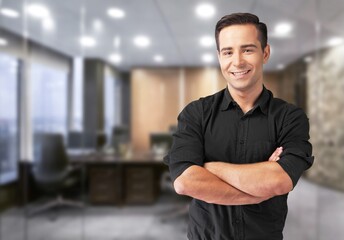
pixel 294 138
pixel 187 148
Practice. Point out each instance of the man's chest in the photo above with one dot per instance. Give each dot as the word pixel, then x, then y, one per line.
pixel 236 139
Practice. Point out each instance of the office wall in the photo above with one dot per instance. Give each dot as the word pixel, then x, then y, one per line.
pixel 325 79
pixel 158 95
pixel 274 81
pixel 200 82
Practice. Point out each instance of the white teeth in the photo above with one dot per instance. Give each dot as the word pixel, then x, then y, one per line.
pixel 240 73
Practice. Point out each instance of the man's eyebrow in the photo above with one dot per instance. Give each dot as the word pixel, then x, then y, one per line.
pixel 242 46
pixel 226 49
pixel 248 46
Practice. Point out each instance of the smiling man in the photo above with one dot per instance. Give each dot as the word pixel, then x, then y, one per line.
pixel 239 152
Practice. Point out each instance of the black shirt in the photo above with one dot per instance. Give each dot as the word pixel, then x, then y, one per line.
pixel 214 128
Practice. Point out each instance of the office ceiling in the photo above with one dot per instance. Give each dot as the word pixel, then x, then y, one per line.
pixel 174 28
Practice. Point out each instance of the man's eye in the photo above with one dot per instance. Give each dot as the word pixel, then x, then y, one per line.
pixel 227 53
pixel 248 50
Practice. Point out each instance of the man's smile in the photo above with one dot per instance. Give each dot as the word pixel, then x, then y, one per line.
pixel 240 73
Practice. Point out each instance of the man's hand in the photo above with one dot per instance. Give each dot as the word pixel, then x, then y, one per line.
pixel 275 155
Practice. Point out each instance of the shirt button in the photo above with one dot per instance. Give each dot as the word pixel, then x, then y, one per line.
pixel 242 141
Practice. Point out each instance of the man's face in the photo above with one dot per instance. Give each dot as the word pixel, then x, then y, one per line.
pixel 241 57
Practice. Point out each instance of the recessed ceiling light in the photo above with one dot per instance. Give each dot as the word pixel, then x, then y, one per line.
pixel 308 59
pixel 335 41
pixel 158 58
pixel 9 12
pixel 280 66
pixel 142 41
pixel 116 13
pixel 282 29
pixel 205 10
pixel 3 42
pixel 48 24
pixel 38 11
pixel 87 41
pixel 207 41
pixel 115 58
pixel 207 58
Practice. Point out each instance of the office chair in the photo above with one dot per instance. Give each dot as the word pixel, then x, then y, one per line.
pixel 52 172
pixel 75 140
pixel 160 144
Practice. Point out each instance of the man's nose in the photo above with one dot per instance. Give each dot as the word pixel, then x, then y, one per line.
pixel 238 60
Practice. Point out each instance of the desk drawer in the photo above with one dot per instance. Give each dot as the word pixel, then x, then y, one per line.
pixel 105 185
pixel 139 184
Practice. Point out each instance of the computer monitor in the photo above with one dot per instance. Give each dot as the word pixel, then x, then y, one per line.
pixel 120 135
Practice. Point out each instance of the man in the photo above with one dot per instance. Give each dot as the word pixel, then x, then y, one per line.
pixel 239 152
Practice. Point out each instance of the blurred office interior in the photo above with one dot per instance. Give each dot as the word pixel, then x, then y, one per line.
pixel 90 92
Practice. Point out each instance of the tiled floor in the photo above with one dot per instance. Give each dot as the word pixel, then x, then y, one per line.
pixel 315 213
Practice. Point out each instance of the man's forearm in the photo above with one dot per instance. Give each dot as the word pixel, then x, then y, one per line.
pixel 264 179
pixel 199 183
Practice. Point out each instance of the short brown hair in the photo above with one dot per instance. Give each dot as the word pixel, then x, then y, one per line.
pixel 240 19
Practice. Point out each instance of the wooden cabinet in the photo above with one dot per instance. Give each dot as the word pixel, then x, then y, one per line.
pixel 140 184
pixel 123 183
pixel 105 184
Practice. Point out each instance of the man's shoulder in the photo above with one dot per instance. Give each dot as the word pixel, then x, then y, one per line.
pixel 207 101
pixel 205 104
pixel 282 109
pixel 210 100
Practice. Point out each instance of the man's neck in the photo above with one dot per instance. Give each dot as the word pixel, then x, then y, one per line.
pixel 246 99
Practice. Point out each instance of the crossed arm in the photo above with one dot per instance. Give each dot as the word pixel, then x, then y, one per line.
pixel 235 184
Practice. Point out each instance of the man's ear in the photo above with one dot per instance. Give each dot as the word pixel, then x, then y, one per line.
pixel 266 53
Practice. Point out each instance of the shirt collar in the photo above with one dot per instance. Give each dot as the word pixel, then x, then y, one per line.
pixel 227 100
pixel 262 101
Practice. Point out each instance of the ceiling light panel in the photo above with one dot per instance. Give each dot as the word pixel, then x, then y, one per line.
pixel 115 58
pixel 158 58
pixel 207 41
pixel 87 41
pixel 205 10
pixel 116 13
pixel 281 30
pixel 9 13
pixel 142 41
pixel 48 24
pixel 38 11
pixel 207 58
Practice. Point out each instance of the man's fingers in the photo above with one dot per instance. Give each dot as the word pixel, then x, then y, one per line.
pixel 275 155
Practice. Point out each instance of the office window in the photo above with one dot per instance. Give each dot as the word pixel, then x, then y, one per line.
pixel 77 95
pixel 49 99
pixel 109 105
pixel 8 118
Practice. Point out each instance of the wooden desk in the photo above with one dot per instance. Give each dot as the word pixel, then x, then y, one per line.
pixel 118 180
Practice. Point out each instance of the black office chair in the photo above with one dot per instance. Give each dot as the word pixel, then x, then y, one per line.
pixel 160 144
pixel 52 171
